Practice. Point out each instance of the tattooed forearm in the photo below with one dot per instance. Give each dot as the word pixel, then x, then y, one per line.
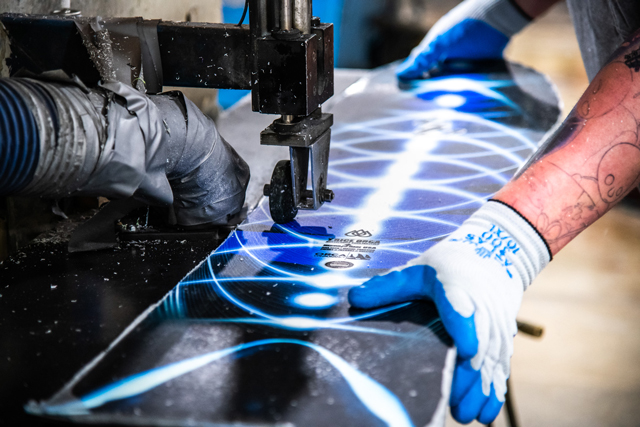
pixel 560 205
pixel 633 60
pixel 601 97
pixel 591 162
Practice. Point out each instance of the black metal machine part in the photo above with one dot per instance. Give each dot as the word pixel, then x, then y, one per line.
pixel 282 205
pixel 286 75
pixel 308 140
pixel 284 56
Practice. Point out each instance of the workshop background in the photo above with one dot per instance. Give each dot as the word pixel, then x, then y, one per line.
pixel 584 370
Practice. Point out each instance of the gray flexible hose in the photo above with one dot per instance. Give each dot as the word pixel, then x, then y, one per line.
pixel 116 142
pixel 208 177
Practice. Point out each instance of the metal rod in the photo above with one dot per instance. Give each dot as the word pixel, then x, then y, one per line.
pixel 287 118
pixel 286 15
pixel 510 407
pixel 258 18
pixel 530 329
pixel 302 15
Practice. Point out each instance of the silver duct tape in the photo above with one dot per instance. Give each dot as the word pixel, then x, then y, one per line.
pixel 68 157
pixel 133 160
pixel 70 153
pixel 210 179
pixel 173 110
pixel 117 155
pixel 117 142
pixel 95 126
pixel 151 56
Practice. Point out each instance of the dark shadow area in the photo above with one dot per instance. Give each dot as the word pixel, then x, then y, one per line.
pixel 59 310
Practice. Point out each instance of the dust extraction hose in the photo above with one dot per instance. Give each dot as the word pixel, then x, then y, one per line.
pixel 19 141
pixel 60 139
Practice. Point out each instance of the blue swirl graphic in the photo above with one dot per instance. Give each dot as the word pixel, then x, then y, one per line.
pixel 374 396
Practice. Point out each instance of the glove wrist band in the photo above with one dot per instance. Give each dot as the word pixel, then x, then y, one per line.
pixel 535 253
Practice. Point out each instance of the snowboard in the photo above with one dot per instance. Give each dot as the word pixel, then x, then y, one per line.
pixel 261 334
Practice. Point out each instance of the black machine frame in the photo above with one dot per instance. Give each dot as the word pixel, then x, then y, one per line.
pixel 284 56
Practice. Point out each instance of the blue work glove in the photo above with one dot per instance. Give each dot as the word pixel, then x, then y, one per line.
pixel 476 278
pixel 474 30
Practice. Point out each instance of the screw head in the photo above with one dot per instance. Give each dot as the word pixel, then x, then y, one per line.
pixel 327 195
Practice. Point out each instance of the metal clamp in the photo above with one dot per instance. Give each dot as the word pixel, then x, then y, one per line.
pixel 308 140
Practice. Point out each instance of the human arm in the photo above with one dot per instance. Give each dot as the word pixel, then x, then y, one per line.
pixel 586 167
pixel 593 160
pixel 476 278
pixel 473 30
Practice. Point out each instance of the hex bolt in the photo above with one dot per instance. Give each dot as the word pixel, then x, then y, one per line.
pixel 327 195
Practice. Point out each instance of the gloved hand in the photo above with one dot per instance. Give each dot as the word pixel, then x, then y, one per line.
pixel 476 278
pixel 475 29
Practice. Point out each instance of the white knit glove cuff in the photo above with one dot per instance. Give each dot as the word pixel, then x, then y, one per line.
pixel 501 237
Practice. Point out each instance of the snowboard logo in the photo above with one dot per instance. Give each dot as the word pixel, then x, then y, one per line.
pixel 359 257
pixel 339 264
pixel 358 233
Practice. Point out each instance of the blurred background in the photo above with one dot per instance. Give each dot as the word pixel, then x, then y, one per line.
pixel 584 371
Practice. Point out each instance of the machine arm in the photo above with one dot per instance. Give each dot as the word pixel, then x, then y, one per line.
pixel 285 57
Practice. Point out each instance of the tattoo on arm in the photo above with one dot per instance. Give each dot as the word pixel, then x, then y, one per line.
pixel 592 160
pixel 633 60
